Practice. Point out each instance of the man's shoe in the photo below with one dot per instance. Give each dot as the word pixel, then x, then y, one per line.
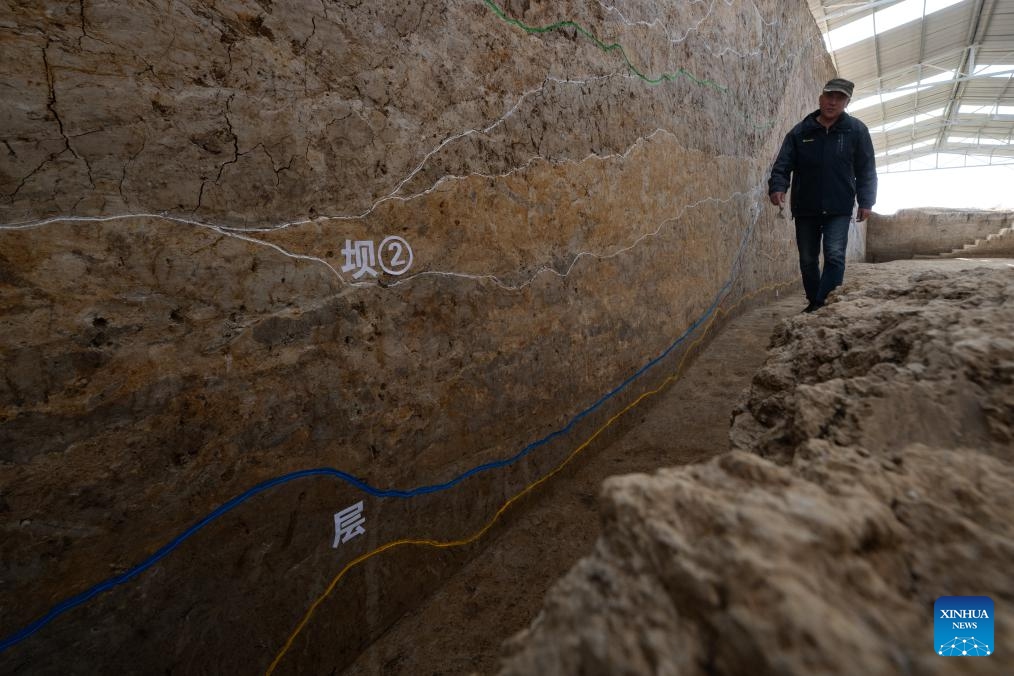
pixel 812 307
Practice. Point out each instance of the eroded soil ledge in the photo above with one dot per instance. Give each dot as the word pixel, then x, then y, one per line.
pixel 873 472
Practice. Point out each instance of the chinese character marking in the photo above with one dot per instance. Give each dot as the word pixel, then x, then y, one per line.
pixel 359 256
pixel 348 524
pixel 395 255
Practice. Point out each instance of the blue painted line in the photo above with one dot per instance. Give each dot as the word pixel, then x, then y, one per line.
pixel 106 585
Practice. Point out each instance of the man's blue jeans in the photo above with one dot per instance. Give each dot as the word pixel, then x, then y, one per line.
pixel 810 230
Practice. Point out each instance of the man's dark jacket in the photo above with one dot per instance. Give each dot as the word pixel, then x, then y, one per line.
pixel 830 168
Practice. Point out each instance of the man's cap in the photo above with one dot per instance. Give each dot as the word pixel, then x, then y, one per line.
pixel 840 85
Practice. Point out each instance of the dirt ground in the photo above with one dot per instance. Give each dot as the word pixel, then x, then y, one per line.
pixel 460 628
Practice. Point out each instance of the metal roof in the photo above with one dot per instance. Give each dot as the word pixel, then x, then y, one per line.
pixel 937 90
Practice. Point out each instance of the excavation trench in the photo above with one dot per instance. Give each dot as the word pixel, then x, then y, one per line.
pixel 459 628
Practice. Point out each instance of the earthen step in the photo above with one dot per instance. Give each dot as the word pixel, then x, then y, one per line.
pixel 993 243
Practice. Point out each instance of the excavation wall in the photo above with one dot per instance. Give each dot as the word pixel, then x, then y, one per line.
pixel 414 253
pixel 928 232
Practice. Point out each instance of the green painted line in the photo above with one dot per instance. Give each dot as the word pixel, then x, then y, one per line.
pixel 616 47
pixel 612 47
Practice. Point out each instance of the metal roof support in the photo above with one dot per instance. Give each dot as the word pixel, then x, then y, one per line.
pixel 1000 97
pixel 876 60
pixel 922 56
pixel 976 27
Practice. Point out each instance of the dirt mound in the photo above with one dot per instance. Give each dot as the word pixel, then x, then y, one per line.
pixel 874 474
pixel 924 357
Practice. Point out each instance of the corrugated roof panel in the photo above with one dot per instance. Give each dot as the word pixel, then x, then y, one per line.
pixel 986 90
pixel 906 107
pixel 900 57
pixel 916 135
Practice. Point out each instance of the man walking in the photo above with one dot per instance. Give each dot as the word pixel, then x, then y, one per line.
pixel 830 158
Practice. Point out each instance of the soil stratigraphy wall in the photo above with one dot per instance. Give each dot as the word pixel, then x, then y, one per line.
pixel 262 263
pixel 929 232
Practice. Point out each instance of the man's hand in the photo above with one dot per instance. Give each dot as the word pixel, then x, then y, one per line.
pixel 778 198
pixel 862 215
